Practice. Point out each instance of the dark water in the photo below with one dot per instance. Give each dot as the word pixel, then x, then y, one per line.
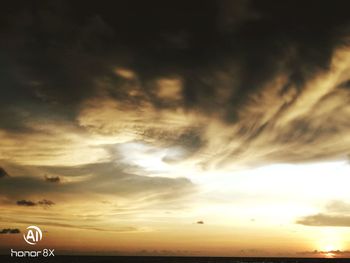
pixel 126 259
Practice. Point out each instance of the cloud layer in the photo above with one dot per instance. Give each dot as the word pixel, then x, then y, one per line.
pixel 337 213
pixel 118 112
pixel 267 89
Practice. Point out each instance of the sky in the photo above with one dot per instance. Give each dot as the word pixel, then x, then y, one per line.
pixel 191 128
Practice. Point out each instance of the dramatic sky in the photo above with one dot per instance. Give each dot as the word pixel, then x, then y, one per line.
pixel 176 127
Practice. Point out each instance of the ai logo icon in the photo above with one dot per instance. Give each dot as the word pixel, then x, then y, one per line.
pixel 33 235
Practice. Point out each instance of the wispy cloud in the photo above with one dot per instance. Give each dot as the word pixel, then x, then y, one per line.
pixel 217 109
pixel 325 220
pixel 101 112
pixel 337 213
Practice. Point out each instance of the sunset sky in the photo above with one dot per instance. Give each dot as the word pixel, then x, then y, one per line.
pixel 214 128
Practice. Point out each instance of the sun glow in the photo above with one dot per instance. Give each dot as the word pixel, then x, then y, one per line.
pixel 331 240
pixel 329 248
pixel 329 255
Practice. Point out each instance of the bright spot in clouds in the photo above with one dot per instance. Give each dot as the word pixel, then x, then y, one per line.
pixel 155 161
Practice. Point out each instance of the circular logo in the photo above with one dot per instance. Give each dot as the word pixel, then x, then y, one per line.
pixel 33 235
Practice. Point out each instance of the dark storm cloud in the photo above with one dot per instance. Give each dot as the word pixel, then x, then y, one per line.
pixel 10 231
pixel 57 54
pixel 46 56
pixel 54 52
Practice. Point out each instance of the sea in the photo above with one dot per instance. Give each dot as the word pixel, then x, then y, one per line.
pixel 150 259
